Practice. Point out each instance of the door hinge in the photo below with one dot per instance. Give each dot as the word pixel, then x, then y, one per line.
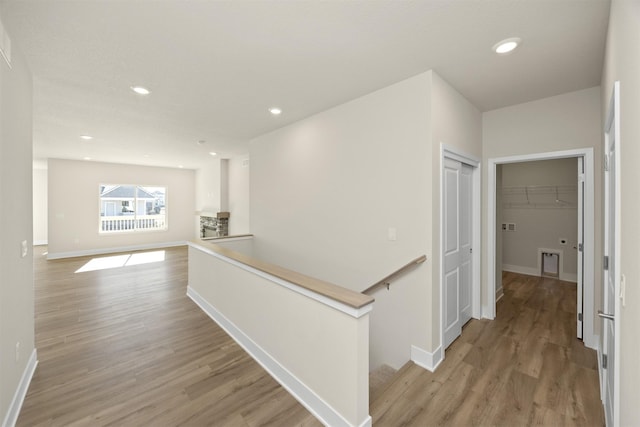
pixel 581 177
pixel 605 263
pixel 580 317
pixel 470 250
pixel 604 361
pixel 606 163
pixel 580 247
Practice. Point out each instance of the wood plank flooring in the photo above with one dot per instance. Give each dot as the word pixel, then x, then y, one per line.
pixel 525 368
pixel 126 347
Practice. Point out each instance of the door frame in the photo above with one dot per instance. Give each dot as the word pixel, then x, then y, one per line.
pixel 489 307
pixel 612 124
pixel 453 153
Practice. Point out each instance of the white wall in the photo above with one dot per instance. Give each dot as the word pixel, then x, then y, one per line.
pixel 16 225
pixel 74 206
pixel 563 122
pixel 325 191
pixel 207 184
pixel 622 62
pixel 222 185
pixel 542 226
pixel 457 124
pixel 40 209
pixel 207 191
pixel 316 350
pixel 239 195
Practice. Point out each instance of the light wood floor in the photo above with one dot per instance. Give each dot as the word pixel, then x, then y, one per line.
pixel 126 347
pixel 524 368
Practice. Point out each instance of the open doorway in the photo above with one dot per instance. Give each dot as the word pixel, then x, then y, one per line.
pixel 546 198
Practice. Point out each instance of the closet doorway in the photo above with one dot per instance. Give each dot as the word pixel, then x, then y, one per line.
pixel 540 205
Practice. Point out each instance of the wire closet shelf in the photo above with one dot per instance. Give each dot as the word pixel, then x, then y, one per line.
pixel 540 197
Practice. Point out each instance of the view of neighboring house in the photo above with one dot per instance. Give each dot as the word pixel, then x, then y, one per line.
pixel 129 207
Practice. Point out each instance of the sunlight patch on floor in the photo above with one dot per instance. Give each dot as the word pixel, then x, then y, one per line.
pixel 117 261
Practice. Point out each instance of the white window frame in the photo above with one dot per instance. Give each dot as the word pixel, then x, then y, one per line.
pixel 119 224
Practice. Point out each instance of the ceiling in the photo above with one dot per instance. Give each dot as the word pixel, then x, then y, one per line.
pixel 215 67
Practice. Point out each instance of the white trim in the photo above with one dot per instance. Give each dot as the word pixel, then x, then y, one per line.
pixel 453 153
pixel 11 417
pixel 103 251
pixel 450 152
pixel 617 372
pixel 489 309
pixel 306 396
pixel 530 271
pixel 351 311
pixel 600 371
pixel 613 121
pixel 426 360
pixel 225 239
pixel 40 242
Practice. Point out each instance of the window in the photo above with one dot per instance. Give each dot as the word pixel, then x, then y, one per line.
pixel 132 208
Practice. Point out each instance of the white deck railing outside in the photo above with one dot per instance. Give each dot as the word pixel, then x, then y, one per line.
pixel 130 223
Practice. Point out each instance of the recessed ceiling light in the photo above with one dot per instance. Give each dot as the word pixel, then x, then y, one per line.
pixel 180 166
pixel 213 153
pixel 506 46
pixel 86 137
pixel 140 90
pixel 275 111
pixel 86 158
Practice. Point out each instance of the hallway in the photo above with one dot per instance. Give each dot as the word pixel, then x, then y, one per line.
pixel 524 368
pixel 124 346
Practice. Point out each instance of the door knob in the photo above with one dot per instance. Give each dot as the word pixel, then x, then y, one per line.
pixel 606 316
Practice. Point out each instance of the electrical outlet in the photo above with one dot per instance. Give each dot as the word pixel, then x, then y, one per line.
pixel 24 249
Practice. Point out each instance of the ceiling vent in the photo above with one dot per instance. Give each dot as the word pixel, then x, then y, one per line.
pixel 5 45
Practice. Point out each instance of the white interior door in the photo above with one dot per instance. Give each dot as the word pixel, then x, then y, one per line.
pixel 611 288
pixel 457 235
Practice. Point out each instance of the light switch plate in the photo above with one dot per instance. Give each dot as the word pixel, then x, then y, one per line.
pixel 392 233
pixel 24 248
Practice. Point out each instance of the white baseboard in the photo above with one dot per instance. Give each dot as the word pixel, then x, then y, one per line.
pixel 569 277
pixel 426 360
pixel 11 417
pixel 103 251
pixel 530 271
pixel 40 242
pixel 307 397
pixel 499 293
